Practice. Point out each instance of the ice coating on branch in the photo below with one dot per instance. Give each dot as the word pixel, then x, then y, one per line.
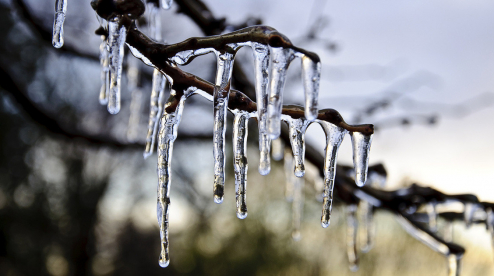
pixel 334 137
pixel 60 10
pixel 297 128
pixel 454 265
pixel 261 66
pixel 220 103
pixel 240 132
pixel 166 138
pixel 432 215
pixel 361 144
pixel 297 206
pixel 311 74
pixel 280 60
pixel 135 115
pixel 351 236
pixel 277 149
pixel 155 110
pixel 166 4
pixel 105 72
pixel 116 41
pixel 289 177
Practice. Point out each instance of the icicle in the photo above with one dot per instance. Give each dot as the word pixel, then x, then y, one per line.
pixel 297 206
pixel 289 177
pixel 468 213
pixel 261 65
pixel 278 148
pixel 60 10
pixel 155 23
pixel 454 264
pixel 448 231
pixel 432 215
pixel 311 74
pixel 221 95
pixel 116 41
pixel 105 72
pixel 167 135
pixel 166 4
pixel 155 110
pixel 281 59
pixel 361 146
pixel 334 137
pixel 297 128
pixel 367 226
pixel 240 132
pixel 135 115
pixel 352 229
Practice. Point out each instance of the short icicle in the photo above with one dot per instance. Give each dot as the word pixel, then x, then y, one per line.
pixel 105 71
pixel 297 206
pixel 281 59
pixel 167 135
pixel 261 66
pixel 334 137
pixel 240 132
pixel 454 264
pixel 361 144
pixel 311 75
pixel 277 149
pixel 352 230
pixel 297 128
pixel 116 40
pixel 60 10
pixel 221 95
pixel 289 177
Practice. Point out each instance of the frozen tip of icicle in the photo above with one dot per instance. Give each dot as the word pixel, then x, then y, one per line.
pixel 296 236
pixel 242 215
pixel 146 154
pixel 264 168
pixel 164 263
pixel 57 39
pixel 354 267
pixel 360 179
pixel 299 171
pixel 325 223
pixel 166 4
pixel 113 109
pixel 218 199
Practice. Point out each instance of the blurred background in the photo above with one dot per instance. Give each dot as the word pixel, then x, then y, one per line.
pixel 77 198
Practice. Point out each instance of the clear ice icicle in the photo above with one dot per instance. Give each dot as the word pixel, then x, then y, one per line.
pixel 351 236
pixel 167 136
pixel 240 132
pixel 220 102
pixel 60 10
pixel 297 128
pixel 361 146
pixel 155 110
pixel 289 177
pixel 432 215
pixel 297 206
pixel 277 149
pixel 311 74
pixel 116 41
pixel 166 4
pixel 105 72
pixel 334 137
pixel 261 66
pixel 155 23
pixel 454 264
pixel 281 59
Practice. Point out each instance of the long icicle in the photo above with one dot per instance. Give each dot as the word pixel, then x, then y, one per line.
pixel 158 84
pixel 351 236
pixel 60 10
pixel 167 136
pixel 297 128
pixel 261 65
pixel 281 59
pixel 105 71
pixel 334 137
pixel 240 132
pixel 311 74
pixel 221 95
pixel 361 146
pixel 116 40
